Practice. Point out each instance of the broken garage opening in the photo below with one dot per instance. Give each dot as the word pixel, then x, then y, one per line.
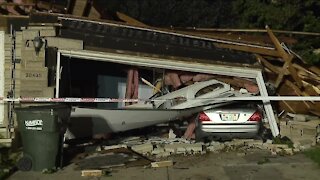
pixel 148 64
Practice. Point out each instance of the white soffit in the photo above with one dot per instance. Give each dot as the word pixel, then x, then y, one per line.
pixel 163 63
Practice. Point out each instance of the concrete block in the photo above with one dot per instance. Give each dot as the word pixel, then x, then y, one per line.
pixel 300 118
pixel 157 151
pixel 34 64
pixel 216 147
pixel 308 131
pixel 171 134
pixel 31 93
pixel 181 150
pixel 305 144
pixel 30 54
pixel 63 43
pixel 305 147
pixel 19 37
pixel 297 131
pixel 7 54
pixel 143 148
pixel 296 150
pixel 238 142
pixel 171 148
pixel 310 124
pixel 254 143
pixel 18 53
pixel 29 34
pixel 288 151
pixel 33 85
pixel 275 146
pixel 241 154
pixel 194 148
pixel 163 154
pixel 47 32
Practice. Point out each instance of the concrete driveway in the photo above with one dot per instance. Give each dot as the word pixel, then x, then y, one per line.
pixel 252 164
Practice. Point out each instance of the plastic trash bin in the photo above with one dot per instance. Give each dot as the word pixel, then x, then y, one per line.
pixel 42 129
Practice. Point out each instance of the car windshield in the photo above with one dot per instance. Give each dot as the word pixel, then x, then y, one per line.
pixel 208 89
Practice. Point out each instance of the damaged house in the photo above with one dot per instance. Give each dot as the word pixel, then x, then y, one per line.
pixel 120 76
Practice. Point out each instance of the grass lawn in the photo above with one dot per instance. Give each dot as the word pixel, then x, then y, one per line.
pixel 314 154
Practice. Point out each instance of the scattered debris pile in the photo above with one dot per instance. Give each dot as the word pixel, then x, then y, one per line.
pixel 161 148
pixel 286 72
pixel 156 152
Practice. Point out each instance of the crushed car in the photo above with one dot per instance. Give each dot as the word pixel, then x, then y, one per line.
pixel 231 121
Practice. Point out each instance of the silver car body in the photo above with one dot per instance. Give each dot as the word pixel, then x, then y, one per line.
pixel 230 122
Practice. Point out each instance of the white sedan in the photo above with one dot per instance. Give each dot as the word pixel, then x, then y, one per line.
pixel 229 122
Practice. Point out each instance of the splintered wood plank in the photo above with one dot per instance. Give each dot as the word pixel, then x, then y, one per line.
pixel 91 172
pixel 298 67
pixel 298 92
pixel 307 75
pixel 294 74
pixel 79 7
pixel 291 106
pixel 270 66
pixel 281 74
pixel 277 44
pixel 162 164
pixel 287 58
pixel 129 19
pixel 94 14
pixel 315 88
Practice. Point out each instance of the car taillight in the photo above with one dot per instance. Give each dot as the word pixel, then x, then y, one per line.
pixel 203 117
pixel 256 116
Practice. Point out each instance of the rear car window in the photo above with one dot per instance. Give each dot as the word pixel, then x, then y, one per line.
pixel 208 89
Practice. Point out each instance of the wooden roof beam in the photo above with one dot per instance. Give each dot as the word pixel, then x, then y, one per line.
pixel 288 61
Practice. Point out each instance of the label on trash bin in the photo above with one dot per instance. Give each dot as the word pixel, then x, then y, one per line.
pixel 35 124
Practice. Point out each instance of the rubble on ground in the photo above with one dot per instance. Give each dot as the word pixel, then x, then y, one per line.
pixel 158 148
pixel 106 159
